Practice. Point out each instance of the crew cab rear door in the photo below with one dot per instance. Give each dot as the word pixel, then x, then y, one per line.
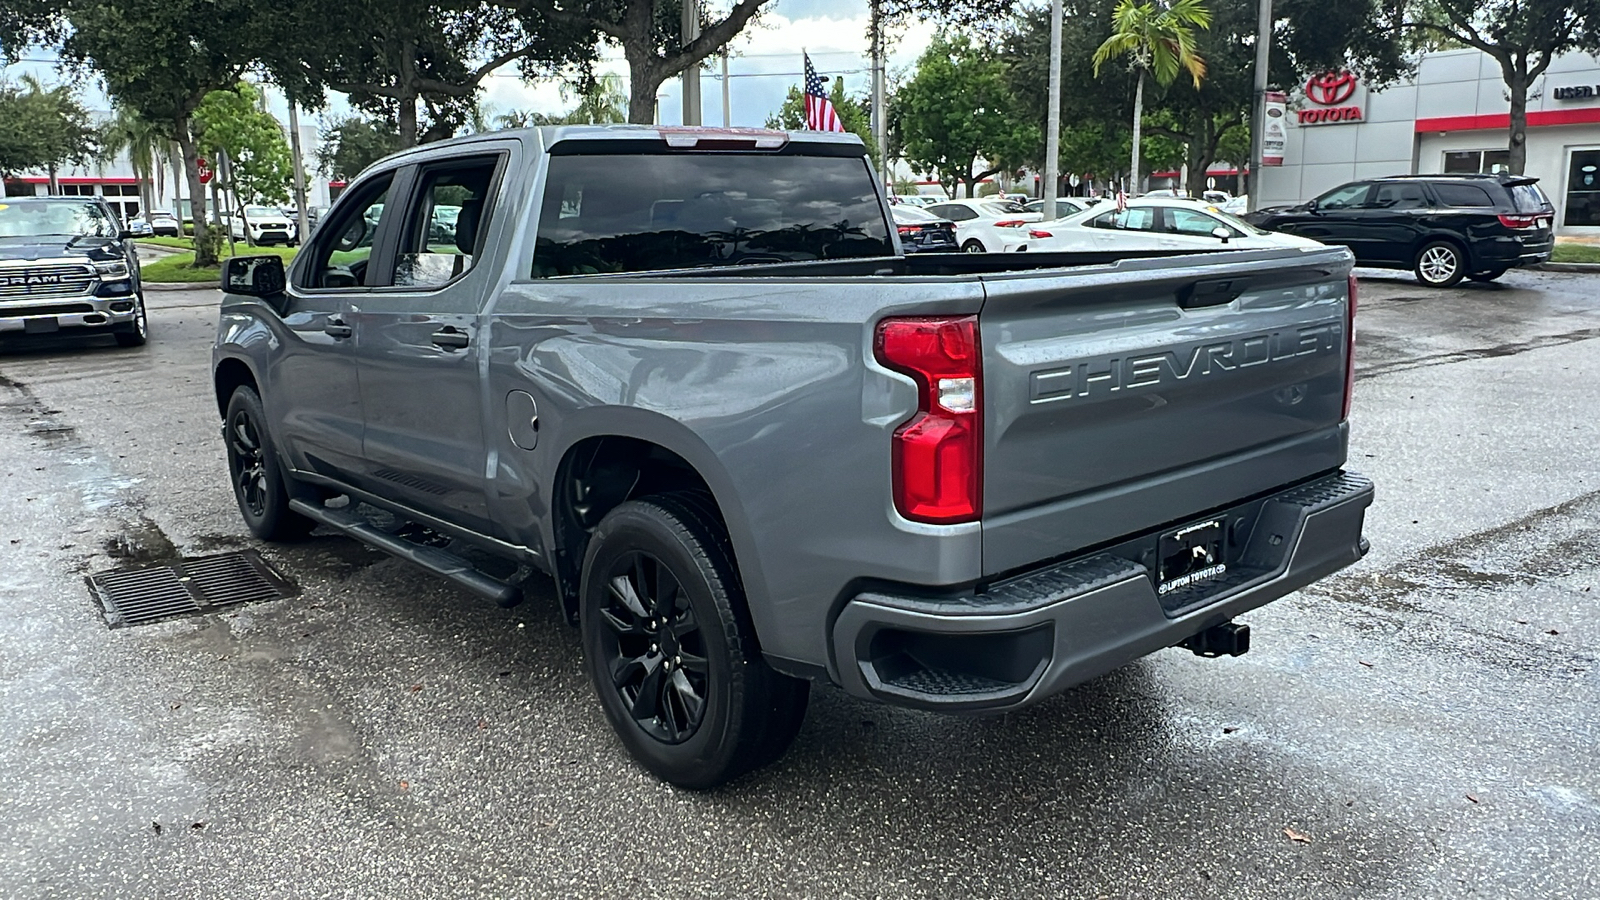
pixel 1123 398
pixel 418 342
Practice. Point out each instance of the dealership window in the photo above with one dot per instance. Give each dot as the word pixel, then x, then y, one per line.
pixel 1473 162
pixel 1583 189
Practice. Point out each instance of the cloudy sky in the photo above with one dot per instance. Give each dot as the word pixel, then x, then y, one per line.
pixel 765 64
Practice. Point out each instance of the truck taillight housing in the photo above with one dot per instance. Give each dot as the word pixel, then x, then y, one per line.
pixel 1349 350
pixel 938 452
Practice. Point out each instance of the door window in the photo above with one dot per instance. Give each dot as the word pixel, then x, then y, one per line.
pixel 1198 224
pixel 1583 189
pixel 1399 195
pixel 444 231
pixel 343 244
pixel 1344 197
pixel 1136 218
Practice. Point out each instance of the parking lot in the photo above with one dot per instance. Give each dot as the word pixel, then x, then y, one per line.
pixel 1424 724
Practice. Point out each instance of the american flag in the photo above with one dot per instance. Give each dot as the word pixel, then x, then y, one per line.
pixel 820 114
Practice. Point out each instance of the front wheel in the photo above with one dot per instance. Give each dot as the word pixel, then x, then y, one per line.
pixel 973 246
pixel 670 648
pixel 137 332
pixel 1440 265
pixel 259 484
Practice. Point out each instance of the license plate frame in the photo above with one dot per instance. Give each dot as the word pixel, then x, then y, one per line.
pixel 1192 554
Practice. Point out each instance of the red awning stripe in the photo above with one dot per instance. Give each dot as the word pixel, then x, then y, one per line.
pixel 1586 115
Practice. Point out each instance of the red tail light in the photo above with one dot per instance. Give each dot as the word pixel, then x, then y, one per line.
pixel 1349 350
pixel 907 229
pixel 1035 233
pixel 1519 221
pixel 938 453
pixel 1010 223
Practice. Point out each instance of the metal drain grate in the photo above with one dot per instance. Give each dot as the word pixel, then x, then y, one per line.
pixel 186 588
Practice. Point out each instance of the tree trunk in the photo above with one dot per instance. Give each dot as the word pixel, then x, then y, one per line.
pixel 1517 86
pixel 1138 116
pixel 408 94
pixel 642 85
pixel 53 184
pixel 205 253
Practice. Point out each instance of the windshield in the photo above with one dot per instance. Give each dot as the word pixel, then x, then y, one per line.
pixel 908 214
pixel 1236 222
pixel 1004 208
pixel 262 211
pixel 36 218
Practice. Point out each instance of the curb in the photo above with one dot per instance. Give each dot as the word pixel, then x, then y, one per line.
pixel 1584 268
pixel 187 285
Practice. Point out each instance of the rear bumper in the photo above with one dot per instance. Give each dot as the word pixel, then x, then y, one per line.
pixel 42 316
pixel 1508 252
pixel 1039 633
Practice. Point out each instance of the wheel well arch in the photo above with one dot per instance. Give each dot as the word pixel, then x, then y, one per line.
pixel 230 375
pixel 596 474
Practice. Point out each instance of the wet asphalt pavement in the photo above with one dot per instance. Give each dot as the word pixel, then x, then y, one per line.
pixel 1426 721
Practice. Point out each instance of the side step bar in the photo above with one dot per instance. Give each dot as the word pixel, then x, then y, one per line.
pixel 439 562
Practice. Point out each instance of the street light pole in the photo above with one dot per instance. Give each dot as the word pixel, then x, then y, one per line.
pixel 691 75
pixel 1052 140
pixel 1258 115
pixel 880 122
pixel 302 220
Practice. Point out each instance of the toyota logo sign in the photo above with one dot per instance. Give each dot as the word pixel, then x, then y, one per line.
pixel 1330 88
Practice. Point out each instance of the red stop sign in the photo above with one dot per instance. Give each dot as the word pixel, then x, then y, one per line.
pixel 204 168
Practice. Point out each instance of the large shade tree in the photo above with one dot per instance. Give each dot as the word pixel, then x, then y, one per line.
pixel 44 128
pixel 157 58
pixel 957 116
pixel 1523 37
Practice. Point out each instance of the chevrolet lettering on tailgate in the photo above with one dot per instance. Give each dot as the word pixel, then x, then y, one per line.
pixel 1104 376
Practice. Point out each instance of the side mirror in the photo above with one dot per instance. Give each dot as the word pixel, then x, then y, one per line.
pixel 254 276
pixel 1221 233
pixel 1311 206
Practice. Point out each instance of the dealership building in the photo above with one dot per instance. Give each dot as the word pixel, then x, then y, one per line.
pixel 1452 117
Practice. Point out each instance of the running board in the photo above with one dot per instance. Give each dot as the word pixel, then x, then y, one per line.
pixel 439 562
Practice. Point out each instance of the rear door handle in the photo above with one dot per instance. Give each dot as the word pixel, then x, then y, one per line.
pixel 450 339
pixel 336 329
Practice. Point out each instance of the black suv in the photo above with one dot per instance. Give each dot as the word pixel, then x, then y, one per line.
pixel 1443 227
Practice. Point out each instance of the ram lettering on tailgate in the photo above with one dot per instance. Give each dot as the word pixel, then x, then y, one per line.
pixel 1150 370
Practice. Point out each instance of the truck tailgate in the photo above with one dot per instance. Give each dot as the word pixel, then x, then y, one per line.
pixel 1119 399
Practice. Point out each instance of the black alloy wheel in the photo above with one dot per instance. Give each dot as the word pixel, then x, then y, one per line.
pixel 973 246
pixel 670 648
pixel 259 485
pixel 656 654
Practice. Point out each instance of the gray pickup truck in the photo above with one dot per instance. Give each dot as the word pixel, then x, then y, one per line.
pixel 689 374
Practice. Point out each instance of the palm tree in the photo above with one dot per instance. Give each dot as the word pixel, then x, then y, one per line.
pixel 146 145
pixel 601 101
pixel 1160 39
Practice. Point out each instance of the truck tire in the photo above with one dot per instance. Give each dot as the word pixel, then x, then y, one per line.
pixel 670 648
pixel 259 485
pixel 137 332
pixel 1441 265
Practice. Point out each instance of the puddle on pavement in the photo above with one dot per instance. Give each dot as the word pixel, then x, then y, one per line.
pixel 140 543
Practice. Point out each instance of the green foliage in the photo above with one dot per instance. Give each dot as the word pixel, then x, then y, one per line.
pixel 1523 36
pixel 1158 38
pixel 350 145
pixel 237 123
pixel 957 109
pixel 43 128
pixel 144 142
pixel 854 114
